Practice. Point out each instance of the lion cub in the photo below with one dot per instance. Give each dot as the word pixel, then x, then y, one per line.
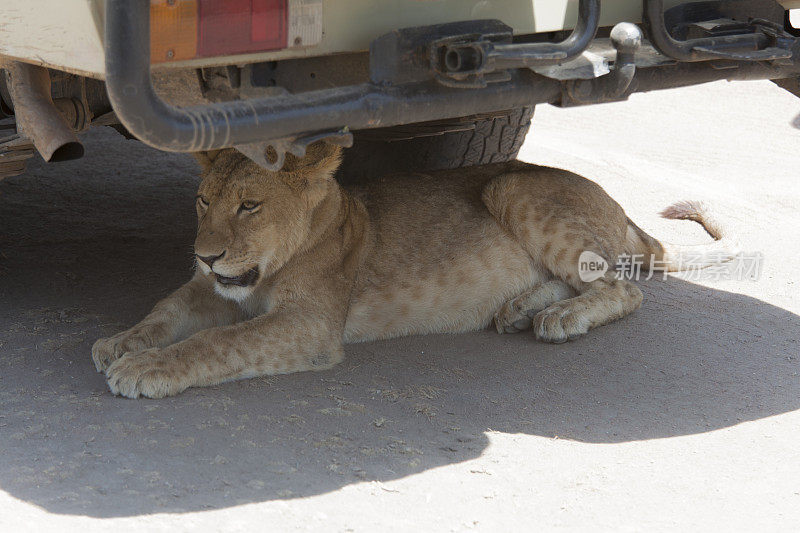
pixel 290 266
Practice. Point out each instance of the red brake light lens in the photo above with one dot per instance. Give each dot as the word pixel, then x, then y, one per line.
pixel 228 27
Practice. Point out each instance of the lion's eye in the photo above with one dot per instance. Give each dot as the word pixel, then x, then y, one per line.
pixel 249 206
pixel 203 202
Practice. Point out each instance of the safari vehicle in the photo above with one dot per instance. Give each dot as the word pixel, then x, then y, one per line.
pixel 411 84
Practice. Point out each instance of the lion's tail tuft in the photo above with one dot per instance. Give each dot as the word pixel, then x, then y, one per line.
pixel 675 257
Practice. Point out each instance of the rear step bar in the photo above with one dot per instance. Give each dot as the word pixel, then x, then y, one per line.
pixel 285 122
pixel 760 44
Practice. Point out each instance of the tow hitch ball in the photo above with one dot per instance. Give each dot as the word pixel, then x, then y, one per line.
pixel 626 39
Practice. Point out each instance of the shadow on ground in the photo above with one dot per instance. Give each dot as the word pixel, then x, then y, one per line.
pixel 86 248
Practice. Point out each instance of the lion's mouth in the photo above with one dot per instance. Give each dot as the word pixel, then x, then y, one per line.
pixel 245 280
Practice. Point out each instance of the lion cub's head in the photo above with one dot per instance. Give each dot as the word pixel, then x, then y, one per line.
pixel 251 220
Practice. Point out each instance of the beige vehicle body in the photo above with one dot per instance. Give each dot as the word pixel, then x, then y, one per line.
pixel 414 85
pixel 68 34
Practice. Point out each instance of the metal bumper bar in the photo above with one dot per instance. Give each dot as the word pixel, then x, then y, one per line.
pixel 369 105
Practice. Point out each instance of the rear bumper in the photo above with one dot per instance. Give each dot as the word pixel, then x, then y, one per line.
pixel 415 89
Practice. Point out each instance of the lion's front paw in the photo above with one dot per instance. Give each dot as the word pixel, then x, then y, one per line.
pixel 107 350
pixel 150 373
pixel 510 319
pixel 104 353
pixel 560 323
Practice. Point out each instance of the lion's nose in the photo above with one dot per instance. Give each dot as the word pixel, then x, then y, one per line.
pixel 209 259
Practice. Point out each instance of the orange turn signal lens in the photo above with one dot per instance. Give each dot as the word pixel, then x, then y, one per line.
pixel 173 30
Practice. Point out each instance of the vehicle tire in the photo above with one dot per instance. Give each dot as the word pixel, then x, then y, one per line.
pixel 456 143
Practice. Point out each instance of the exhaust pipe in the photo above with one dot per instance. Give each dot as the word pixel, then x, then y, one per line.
pixel 37 116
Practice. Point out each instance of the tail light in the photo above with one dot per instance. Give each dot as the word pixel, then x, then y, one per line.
pixel 188 29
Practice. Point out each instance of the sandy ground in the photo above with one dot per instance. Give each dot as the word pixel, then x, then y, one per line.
pixel 684 415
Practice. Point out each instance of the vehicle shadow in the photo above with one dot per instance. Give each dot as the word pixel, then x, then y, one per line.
pixel 87 250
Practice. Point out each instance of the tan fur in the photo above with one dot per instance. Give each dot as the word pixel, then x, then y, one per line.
pixel 406 254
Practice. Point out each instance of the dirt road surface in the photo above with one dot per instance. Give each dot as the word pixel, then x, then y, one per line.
pixel 684 415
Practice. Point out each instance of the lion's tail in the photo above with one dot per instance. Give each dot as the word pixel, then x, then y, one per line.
pixel 675 257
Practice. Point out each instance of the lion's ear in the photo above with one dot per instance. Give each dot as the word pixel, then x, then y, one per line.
pixel 206 159
pixel 324 158
pixel 321 161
